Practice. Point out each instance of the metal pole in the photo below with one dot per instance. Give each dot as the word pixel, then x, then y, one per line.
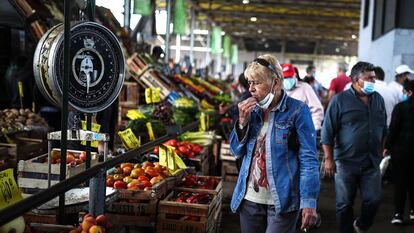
pixel 64 120
pixel 193 18
pixel 49 161
pixel 127 14
pixel 167 33
pixel 208 47
pixel 88 143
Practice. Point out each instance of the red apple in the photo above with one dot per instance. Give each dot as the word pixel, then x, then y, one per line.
pixel 102 220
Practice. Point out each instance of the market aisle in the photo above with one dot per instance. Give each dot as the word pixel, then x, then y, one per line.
pixel 230 221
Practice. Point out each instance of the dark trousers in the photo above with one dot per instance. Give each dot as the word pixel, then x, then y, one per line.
pixel 259 218
pixel 403 179
pixel 348 179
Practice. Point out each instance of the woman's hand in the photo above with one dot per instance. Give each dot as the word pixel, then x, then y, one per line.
pixel 245 108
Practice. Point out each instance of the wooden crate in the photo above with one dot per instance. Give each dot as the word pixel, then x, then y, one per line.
pixel 225 153
pixel 129 93
pixel 32 173
pixel 23 148
pixel 229 170
pixel 204 222
pixel 200 163
pixel 215 191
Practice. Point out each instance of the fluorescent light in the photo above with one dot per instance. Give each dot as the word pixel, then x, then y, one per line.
pixel 200 32
pixel 337 50
pixel 353 36
pixel 253 19
pixel 245 1
pixel 259 31
pixel 223 33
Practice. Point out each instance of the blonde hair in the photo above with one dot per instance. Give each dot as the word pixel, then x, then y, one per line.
pixel 255 69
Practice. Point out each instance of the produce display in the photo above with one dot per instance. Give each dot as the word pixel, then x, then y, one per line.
pixel 204 139
pixel 185 111
pixel 184 149
pixel 199 182
pixel 15 120
pixel 73 158
pixel 90 224
pixel 193 198
pixel 137 176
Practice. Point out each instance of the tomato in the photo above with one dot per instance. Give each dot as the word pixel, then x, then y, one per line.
pixel 143 184
pixel 156 150
pixel 184 150
pixel 119 184
pixel 141 178
pixel 197 149
pixel 131 165
pixel 137 172
pixel 150 171
pixel 127 170
pixel 171 142
pixel 70 158
pixel 110 181
pixel 147 164
pixel 137 165
pixel 118 170
pixel 118 177
pixel 82 156
pixel 156 179
pixel 128 179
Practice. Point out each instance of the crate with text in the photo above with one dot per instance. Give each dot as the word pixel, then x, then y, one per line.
pixel 188 212
pixel 33 173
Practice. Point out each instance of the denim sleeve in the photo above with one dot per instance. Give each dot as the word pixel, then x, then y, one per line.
pixel 238 148
pixel 309 184
pixel 330 124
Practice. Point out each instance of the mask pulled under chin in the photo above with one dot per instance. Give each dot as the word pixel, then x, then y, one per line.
pixel 265 103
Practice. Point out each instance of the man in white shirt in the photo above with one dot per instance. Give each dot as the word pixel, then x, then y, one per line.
pixel 403 73
pixel 386 92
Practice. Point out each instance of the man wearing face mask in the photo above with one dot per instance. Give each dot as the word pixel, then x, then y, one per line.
pixel 304 92
pixel 275 137
pixel 402 75
pixel 352 137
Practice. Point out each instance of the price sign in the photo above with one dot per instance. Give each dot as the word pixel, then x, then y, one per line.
pixel 168 157
pixel 129 140
pixel 150 131
pixel 148 95
pixel 203 122
pixel 134 114
pixel 156 95
pixel 20 89
pixel 9 192
pixel 95 128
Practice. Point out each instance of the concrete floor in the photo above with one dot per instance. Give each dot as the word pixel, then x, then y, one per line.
pixel 230 222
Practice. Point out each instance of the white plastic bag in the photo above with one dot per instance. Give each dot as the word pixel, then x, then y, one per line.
pixel 384 164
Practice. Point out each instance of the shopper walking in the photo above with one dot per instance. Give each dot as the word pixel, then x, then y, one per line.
pixel 275 137
pixel 338 84
pixel 398 144
pixel 317 87
pixel 386 92
pixel 352 138
pixel 402 74
pixel 302 91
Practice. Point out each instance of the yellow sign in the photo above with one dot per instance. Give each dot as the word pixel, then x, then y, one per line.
pixel 9 192
pixel 129 139
pixel 134 114
pixel 203 122
pixel 20 88
pixel 95 128
pixel 150 131
pixel 168 157
pixel 156 95
pixel 148 95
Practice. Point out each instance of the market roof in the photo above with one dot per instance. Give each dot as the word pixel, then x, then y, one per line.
pixel 303 26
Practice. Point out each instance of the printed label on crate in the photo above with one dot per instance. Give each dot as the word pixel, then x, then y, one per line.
pixel 129 140
pixel 95 128
pixel 9 192
pixel 150 131
pixel 148 96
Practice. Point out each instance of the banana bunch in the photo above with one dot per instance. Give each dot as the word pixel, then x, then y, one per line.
pixel 206 105
pixel 183 102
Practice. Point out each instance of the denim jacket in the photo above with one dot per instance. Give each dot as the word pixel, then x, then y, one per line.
pixel 293 176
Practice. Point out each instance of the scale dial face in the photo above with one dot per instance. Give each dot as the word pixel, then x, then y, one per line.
pixel 97 67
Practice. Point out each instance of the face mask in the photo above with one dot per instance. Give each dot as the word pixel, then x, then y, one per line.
pixel 265 103
pixel 404 97
pixel 368 88
pixel 289 83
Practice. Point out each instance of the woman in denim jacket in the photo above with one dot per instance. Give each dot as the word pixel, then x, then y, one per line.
pixel 276 139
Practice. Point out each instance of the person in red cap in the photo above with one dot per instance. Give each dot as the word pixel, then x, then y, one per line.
pixel 338 84
pixel 304 92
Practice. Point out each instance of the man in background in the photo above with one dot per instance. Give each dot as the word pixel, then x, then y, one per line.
pixel 338 84
pixel 386 92
pixel 317 87
pixel 302 91
pixel 402 74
